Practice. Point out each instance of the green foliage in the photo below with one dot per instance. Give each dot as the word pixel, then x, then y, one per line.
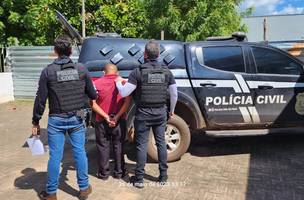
pixel 125 17
pixel 33 22
pixel 12 41
pixel 193 19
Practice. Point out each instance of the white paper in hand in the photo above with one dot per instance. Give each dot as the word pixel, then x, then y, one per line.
pixel 35 146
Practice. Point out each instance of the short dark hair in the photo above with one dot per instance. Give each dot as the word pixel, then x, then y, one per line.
pixel 152 49
pixel 63 45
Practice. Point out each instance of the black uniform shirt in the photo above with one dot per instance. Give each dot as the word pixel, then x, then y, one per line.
pixel 42 92
pixel 149 113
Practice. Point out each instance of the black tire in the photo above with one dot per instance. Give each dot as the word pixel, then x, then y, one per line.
pixel 178 126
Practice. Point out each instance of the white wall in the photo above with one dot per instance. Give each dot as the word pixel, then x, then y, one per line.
pixel 279 27
pixel 6 87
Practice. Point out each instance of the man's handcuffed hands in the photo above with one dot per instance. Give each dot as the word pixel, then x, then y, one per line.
pixel 108 120
pixel 112 120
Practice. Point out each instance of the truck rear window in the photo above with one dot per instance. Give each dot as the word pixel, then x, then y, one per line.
pixel 269 61
pixel 224 58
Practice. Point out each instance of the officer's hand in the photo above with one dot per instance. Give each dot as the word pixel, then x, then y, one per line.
pixel 119 79
pixel 115 119
pixel 36 130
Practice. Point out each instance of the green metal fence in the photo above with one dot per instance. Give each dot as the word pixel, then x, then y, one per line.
pixel 26 64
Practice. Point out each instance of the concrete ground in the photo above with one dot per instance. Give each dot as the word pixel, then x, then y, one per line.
pixel 251 168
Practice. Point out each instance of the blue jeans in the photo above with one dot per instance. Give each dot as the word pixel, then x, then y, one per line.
pixel 142 130
pixel 57 128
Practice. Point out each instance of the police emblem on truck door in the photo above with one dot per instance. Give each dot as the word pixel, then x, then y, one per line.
pixel 67 75
pixel 299 107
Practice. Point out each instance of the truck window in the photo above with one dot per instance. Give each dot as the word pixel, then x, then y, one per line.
pixel 269 61
pixel 224 58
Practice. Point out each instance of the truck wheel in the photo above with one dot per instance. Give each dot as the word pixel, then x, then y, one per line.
pixel 177 138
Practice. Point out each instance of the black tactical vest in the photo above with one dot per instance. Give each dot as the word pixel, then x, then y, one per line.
pixel 152 90
pixel 66 88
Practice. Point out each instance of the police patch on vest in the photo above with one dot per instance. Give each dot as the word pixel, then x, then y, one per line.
pixel 67 75
pixel 156 78
pixel 299 107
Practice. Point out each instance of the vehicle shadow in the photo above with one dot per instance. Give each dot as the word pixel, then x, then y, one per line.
pixel 204 146
pixel 276 163
pixel 275 166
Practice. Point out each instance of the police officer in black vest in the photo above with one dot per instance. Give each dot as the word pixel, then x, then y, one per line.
pixel 66 85
pixel 150 83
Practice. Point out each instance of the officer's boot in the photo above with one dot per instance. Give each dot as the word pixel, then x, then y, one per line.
pixel 83 194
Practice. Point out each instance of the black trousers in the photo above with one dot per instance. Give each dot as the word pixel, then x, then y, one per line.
pixel 104 136
pixel 142 130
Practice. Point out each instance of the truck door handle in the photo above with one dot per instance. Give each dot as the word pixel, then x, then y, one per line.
pixel 265 87
pixel 208 84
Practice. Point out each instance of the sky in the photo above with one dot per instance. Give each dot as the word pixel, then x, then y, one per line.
pixel 274 7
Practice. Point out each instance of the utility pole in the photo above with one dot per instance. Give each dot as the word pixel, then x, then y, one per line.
pixel 265 29
pixel 83 20
pixel 162 35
